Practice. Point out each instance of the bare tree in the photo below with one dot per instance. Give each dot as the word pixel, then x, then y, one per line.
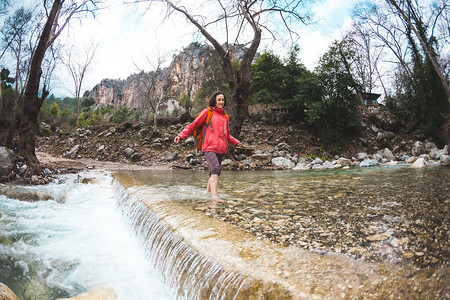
pixel 17 35
pixel 380 25
pixel 367 57
pixel 57 19
pixel 152 86
pixel 410 11
pixel 77 67
pixel 242 22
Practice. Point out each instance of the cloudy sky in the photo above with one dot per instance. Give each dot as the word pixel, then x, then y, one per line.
pixel 127 38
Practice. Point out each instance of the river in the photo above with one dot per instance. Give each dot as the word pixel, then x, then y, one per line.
pixel 390 215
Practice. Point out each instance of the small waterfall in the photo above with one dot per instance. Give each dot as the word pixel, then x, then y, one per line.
pixel 191 274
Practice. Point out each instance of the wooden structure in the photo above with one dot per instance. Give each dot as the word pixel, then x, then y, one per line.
pixel 370 101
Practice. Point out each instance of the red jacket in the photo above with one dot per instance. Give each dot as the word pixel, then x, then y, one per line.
pixel 217 135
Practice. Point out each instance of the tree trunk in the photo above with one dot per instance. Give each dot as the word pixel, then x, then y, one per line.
pixel 425 46
pixel 1 101
pixel 31 102
pixel 12 127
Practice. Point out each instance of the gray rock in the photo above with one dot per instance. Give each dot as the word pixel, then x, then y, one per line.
pixel 47 171
pixel 362 156
pixel 344 162
pixel 74 151
pixel 375 129
pixel 194 162
pixel 445 160
pixel 387 135
pixel 386 153
pixel 319 167
pixel 404 157
pixel 241 157
pixel 189 157
pixel 378 157
pixel 282 146
pixel 317 161
pixel 262 159
pixel 429 146
pixel 368 163
pixel 411 160
pixel 128 152
pixel 226 162
pixel 246 162
pixel 301 167
pixel 436 153
pixel 283 162
pixel 418 149
pixel 420 163
pixel 172 156
pixel 6 161
pixel 329 165
pixel 135 156
pixel 70 142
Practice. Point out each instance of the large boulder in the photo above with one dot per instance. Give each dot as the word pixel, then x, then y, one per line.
pixel 386 153
pixel 283 162
pixel 418 149
pixel 6 161
pixel 344 162
pixel 445 160
pixel 420 163
pixel 362 156
pixel 369 163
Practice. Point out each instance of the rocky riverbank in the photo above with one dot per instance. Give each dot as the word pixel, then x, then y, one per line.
pixel 272 145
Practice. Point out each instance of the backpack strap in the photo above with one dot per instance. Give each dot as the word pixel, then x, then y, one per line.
pixel 208 116
pixel 228 121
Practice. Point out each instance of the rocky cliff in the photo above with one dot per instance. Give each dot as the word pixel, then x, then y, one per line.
pixel 185 75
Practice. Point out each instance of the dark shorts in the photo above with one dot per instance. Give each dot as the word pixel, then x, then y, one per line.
pixel 214 160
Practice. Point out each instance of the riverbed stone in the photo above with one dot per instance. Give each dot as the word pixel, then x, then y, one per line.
pixel 6 161
pixel 227 162
pixel 172 156
pixel 302 166
pixel 411 160
pixel 369 163
pixel 262 158
pixel 420 163
pixel 344 162
pixel 445 160
pixel 418 148
pixel 386 153
pixel 317 161
pixel 283 162
pixel 128 152
pixel 6 293
pixel 362 156
pixel 73 152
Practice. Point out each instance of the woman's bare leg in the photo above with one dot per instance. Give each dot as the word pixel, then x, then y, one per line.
pixel 208 186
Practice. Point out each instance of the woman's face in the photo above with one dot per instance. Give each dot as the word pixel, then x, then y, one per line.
pixel 220 101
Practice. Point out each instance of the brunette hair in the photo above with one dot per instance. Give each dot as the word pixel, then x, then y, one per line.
pixel 212 100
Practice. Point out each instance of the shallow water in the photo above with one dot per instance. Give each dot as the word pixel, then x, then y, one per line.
pixel 53 249
pixel 384 214
pixel 50 249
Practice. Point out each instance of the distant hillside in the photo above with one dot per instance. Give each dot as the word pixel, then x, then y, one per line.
pixel 185 75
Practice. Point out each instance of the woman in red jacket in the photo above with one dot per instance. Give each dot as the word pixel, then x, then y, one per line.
pixel 215 140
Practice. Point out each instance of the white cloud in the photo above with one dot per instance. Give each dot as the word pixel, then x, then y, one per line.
pixel 125 35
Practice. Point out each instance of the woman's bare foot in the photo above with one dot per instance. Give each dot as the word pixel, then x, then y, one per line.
pixel 217 199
